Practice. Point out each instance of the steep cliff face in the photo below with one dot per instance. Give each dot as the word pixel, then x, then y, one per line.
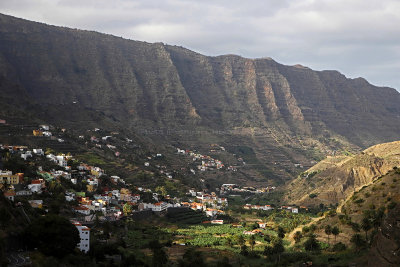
pixel 287 114
pixel 126 79
pixel 334 180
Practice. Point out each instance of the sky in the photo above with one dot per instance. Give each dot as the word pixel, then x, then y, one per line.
pixel 360 38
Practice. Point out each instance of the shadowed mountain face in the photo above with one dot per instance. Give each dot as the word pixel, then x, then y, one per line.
pixel 279 111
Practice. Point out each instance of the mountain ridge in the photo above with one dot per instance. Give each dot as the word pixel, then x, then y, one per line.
pixel 286 114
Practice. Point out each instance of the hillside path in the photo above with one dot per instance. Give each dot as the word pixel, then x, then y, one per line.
pixel 300 228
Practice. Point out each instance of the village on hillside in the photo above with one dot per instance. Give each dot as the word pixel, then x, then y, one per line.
pixel 59 182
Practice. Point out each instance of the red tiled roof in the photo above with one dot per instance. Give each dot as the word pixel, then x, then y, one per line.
pixel 9 193
pixel 81 208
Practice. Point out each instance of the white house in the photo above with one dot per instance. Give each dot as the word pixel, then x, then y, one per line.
pixel 23 193
pixel 26 155
pixel 51 157
pixel 36 186
pixel 84 234
pixel 61 161
pixel 262 225
pixel 38 151
pixel 115 178
pixel 211 212
pixel 157 207
pixel 82 210
pixel 69 198
pixel 47 133
pixel 45 127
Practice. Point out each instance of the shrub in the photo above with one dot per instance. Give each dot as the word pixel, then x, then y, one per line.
pixel 339 247
pixel 359 201
pixel 313 195
pixel 391 205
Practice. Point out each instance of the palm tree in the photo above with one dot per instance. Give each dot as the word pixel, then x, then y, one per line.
pixel 366 226
pixel 252 242
pixel 335 231
pixel 328 231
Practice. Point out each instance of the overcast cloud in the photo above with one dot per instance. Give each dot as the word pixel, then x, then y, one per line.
pixel 360 38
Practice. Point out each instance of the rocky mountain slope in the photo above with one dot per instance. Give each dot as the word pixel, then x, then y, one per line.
pixel 282 114
pixel 372 212
pixel 336 178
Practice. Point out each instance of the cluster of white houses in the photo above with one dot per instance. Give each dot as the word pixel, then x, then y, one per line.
pixel 269 207
pixel 207 162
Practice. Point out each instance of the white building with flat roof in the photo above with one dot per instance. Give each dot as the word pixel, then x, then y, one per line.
pixel 84 234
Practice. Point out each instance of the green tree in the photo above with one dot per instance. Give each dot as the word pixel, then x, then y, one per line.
pixel 281 232
pixel 161 190
pixel 366 226
pixel 312 244
pixel 192 258
pixel 355 226
pixel 305 230
pixel 297 236
pixel 335 231
pixel 278 248
pixel 358 241
pixel 240 240
pixel 127 208
pixel 328 231
pixel 252 242
pixel 160 258
pixel 229 242
pixel 53 235
pixel 268 251
pixel 244 251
